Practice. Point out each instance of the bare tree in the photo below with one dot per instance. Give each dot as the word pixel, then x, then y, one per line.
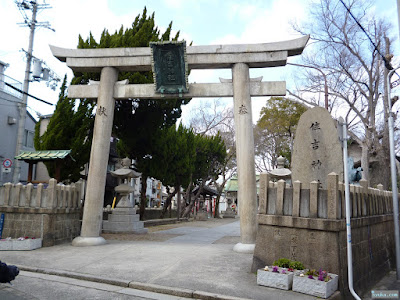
pixel 209 119
pixel 354 69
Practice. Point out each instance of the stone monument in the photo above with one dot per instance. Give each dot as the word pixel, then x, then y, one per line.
pixel 124 218
pixel 317 150
pixel 229 212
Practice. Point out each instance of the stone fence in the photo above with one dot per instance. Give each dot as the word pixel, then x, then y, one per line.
pixel 51 212
pixel 309 225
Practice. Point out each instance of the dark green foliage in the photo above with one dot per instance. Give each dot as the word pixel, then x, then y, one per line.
pixel 296 265
pixel 287 263
pixel 177 156
pixel 138 123
pixel 210 156
pixel 69 128
pixel 282 262
pixel 274 133
pixel 183 155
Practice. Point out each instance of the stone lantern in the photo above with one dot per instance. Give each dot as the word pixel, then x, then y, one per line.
pixel 123 218
pixel 280 172
pixel 124 176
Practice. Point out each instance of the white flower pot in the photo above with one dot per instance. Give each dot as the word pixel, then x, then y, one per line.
pixel 16 245
pixel 275 280
pixel 316 287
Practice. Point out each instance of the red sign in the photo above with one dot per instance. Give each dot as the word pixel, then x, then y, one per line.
pixel 7 163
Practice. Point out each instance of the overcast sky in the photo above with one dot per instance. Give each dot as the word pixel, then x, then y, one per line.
pixel 202 22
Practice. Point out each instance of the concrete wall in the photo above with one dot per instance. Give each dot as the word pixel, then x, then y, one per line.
pixel 309 225
pixel 52 211
pixel 9 100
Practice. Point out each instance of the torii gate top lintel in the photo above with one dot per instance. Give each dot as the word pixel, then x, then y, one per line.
pixel 199 57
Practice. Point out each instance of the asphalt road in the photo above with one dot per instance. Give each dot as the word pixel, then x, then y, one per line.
pixel 29 286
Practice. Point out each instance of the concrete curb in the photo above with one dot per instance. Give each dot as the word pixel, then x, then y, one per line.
pixel 179 292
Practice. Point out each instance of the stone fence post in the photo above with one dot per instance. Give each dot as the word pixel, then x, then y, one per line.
pixel 333 196
pixel 52 193
pixel 264 183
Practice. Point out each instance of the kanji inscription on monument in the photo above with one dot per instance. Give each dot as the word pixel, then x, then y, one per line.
pixel 317 150
pixel 169 67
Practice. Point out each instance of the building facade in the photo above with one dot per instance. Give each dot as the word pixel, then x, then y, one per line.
pixel 10 99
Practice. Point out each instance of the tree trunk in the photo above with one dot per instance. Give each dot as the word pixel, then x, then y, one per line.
pixel 365 161
pixel 178 211
pixel 189 190
pixel 188 208
pixel 143 197
pixel 167 203
pixel 217 206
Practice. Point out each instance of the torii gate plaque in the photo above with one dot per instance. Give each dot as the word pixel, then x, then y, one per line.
pixel 239 58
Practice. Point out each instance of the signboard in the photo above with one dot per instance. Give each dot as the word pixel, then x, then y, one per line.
pixel 170 70
pixel 1 225
pixel 395 83
pixel 7 163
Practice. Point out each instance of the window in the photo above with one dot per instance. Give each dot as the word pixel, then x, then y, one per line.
pixel 28 138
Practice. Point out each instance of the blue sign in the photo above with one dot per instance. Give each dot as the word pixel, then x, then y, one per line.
pixel 1 225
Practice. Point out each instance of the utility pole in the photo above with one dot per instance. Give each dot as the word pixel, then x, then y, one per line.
pixel 32 24
pixel 398 14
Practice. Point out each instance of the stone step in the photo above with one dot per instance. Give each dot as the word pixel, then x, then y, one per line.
pixel 124 211
pixel 123 218
pixel 123 226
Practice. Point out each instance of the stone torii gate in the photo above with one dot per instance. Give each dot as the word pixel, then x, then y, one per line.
pixel 239 58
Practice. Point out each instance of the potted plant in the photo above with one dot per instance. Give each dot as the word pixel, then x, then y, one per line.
pixel 316 283
pixel 280 275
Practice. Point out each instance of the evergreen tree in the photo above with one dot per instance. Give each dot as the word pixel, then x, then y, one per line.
pixel 274 132
pixel 68 129
pixel 138 123
pixel 208 165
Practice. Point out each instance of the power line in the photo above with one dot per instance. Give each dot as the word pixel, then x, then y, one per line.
pixel 25 93
pixel 387 63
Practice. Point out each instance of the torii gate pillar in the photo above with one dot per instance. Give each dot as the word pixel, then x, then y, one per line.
pixel 93 208
pixel 247 190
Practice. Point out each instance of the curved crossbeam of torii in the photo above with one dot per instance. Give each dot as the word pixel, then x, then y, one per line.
pixel 239 58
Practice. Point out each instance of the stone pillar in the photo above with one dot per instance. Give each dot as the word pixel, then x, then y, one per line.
pixel 264 185
pixel 93 208
pixel 296 198
pixel 247 193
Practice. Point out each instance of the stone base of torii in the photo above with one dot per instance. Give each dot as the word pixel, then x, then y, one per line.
pixel 239 58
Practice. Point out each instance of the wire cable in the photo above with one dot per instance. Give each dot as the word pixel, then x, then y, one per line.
pixel 21 91
pixel 387 63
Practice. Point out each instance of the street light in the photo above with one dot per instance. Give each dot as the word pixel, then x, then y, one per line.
pixel 323 74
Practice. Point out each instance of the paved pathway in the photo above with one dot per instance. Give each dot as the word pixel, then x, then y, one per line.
pixel 199 263
pixel 196 235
